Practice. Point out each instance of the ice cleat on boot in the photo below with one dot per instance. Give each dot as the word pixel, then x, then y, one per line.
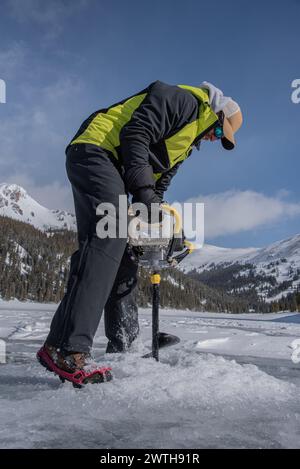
pixel 73 367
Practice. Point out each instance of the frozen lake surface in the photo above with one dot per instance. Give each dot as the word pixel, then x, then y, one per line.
pixel 229 383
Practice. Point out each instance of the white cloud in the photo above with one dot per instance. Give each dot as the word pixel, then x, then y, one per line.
pixel 35 130
pixel 236 211
pixel 226 213
pixel 48 14
pixel 36 134
pixel 12 59
pixel 53 195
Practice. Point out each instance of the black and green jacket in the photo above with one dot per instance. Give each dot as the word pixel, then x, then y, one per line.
pixel 151 133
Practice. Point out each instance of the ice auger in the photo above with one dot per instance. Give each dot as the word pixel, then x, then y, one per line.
pixel 162 249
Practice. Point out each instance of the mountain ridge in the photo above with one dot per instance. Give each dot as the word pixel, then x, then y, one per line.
pixel 16 203
pixel 267 273
pixel 277 267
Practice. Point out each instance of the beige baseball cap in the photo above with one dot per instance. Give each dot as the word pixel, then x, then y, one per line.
pixel 232 113
pixel 233 120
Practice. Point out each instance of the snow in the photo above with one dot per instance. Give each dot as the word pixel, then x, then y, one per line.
pixel 204 257
pixel 211 343
pixel 16 203
pixel 285 252
pixel 280 260
pixel 22 254
pixel 229 383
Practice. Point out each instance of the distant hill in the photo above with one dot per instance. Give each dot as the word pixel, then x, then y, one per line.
pixel 36 244
pixel 16 203
pixel 272 272
pixel 34 266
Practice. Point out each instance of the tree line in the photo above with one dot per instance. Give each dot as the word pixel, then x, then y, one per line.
pixel 34 265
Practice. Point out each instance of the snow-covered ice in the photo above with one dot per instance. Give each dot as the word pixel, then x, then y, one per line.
pixel 229 383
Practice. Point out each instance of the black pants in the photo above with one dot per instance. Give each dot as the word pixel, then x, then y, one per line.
pixel 103 272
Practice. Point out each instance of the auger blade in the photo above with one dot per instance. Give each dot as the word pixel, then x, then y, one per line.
pixel 164 340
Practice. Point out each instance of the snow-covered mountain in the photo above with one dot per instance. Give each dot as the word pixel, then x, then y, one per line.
pixel 279 261
pixel 16 203
pixel 210 256
pixel 273 271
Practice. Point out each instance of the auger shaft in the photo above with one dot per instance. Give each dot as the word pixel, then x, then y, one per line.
pixel 155 280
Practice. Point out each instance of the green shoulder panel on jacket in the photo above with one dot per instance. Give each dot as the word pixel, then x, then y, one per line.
pixel 104 129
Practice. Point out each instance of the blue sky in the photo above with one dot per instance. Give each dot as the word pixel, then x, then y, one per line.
pixel 62 60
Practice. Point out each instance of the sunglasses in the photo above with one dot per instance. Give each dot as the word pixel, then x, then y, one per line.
pixel 218 132
pixel 218 129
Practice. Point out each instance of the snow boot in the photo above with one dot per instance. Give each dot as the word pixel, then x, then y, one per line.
pixel 73 367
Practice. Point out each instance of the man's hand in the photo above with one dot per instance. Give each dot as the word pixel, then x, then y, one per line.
pixel 179 241
pixel 151 200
